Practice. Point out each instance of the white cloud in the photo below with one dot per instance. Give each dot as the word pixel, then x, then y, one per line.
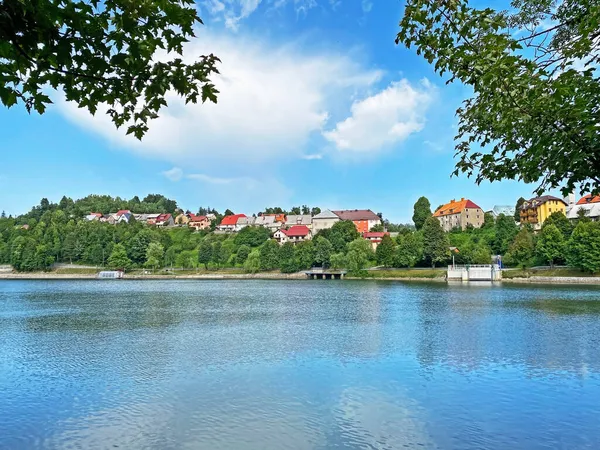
pixel 273 99
pixel 367 6
pixel 383 119
pixel 311 157
pixel 174 174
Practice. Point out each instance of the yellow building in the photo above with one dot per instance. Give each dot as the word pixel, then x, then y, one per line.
pixel 537 210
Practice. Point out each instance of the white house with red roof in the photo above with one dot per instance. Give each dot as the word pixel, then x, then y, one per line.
pixel 230 223
pixel 294 234
pixel 198 222
pixel 588 203
pixel 374 237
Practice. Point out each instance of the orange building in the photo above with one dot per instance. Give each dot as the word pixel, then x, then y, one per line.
pixel 364 219
pixel 459 214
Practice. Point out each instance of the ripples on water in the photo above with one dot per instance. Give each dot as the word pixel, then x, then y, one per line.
pixel 302 365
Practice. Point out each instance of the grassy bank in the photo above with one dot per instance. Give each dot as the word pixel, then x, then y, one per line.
pixel 407 274
pixel 556 273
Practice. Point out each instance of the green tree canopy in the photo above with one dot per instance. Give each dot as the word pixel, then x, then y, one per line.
pixel 521 251
pixel 561 222
pixel 359 254
pixel 518 205
pixel 252 263
pixel 242 254
pixel 205 253
pixel 409 250
pixel 287 258
pixel 323 251
pixel 550 245
pixel 435 242
pixel 533 114
pixel 506 230
pixel 252 236
pixel 386 251
pixel 154 255
pixel 125 55
pixel 584 247
pixel 269 255
pixel 422 210
pixel 118 258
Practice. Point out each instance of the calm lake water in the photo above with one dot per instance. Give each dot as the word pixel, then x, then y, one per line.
pixel 297 364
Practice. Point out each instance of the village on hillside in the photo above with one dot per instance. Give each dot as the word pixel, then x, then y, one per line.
pixel 296 228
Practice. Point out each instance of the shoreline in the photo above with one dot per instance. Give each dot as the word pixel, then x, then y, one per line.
pixel 282 276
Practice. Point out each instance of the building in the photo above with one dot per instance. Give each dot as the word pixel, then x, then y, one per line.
pixel 459 214
pixel 364 219
pixel 182 219
pixel 268 221
pixel 507 210
pixel 246 222
pixel 590 204
pixel 230 223
pixel 164 220
pixel 199 222
pixel 93 216
pixel 303 219
pixel 324 220
pixel 294 234
pixel 374 237
pixel 536 210
pixel 123 215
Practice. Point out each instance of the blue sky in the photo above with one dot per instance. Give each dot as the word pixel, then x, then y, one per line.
pixel 318 106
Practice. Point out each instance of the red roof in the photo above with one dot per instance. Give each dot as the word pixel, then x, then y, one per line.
pixel 232 220
pixel 96 214
pixel 195 218
pixel 455 207
pixel 374 234
pixel 123 211
pixel 297 231
pixel 356 214
pixel 163 218
pixel 589 199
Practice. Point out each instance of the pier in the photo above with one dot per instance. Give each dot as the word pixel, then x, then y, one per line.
pixel 319 273
pixel 474 272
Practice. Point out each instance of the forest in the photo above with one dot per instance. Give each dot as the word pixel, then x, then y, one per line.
pixel 51 233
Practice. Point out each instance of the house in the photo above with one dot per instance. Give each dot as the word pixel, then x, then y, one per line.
pixel 268 221
pixel 324 220
pixel 122 215
pixel 230 223
pixel 536 210
pixel 364 219
pixel 459 214
pixel 294 234
pixel 164 220
pixel 93 216
pixel 302 219
pixel 374 237
pixel 590 204
pixel 151 219
pixel 246 222
pixel 507 210
pixel 199 222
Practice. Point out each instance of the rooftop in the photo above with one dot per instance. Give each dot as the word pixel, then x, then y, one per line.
pixel 356 214
pixel 455 207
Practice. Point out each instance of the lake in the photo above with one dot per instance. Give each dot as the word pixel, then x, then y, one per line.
pixel 297 364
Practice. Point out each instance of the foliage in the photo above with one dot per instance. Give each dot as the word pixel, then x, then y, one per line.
pixel 385 252
pixel 287 258
pixel 269 255
pixel 117 54
pixel 359 254
pixel 532 115
pixel 506 230
pixel 205 253
pixel 435 242
pixel 518 205
pixel 323 251
pixel 409 249
pixel 550 245
pixel 377 228
pixel 305 254
pixel 242 254
pixel 118 258
pixel 338 261
pixel 584 247
pixel 252 236
pixel 561 222
pixel 340 234
pixel 252 263
pixel 422 210
pixel 520 252
pixel 154 255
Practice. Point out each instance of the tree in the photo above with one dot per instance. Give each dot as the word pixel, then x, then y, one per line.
pixel 583 248
pixel 385 251
pixel 550 245
pixel 154 255
pixel 252 236
pixel 316 210
pixel 305 210
pixel 216 253
pixel 582 215
pixel 422 210
pixel 506 230
pixel 228 212
pixel 359 254
pixel 3 215
pixel 139 245
pixel 409 250
pixel 338 261
pixel 287 258
pixel 118 258
pixel 269 255
pixel 252 263
pixel 377 228
pixel 520 252
pixel 341 234
pixel 242 254
pixel 323 251
pixel 296 210
pixel 518 205
pixel 305 254
pixel 435 242
pixel 488 220
pixel 102 53
pixel 532 115
pixel 561 222
pixel 205 253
